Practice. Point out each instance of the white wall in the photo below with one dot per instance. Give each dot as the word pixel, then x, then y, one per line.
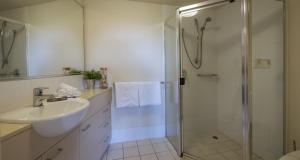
pixel 127 37
pixel 54 36
pixel 18 94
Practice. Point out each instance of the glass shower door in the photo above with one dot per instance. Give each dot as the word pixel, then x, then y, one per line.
pixel 212 68
pixel 173 130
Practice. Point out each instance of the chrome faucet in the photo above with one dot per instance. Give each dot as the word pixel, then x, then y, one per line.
pixel 38 96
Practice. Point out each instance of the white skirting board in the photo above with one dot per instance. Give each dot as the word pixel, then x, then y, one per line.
pixel 131 134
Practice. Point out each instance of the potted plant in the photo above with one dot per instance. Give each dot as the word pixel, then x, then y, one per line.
pixel 91 77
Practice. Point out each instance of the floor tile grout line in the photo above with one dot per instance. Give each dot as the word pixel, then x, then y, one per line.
pixel 137 146
pixel 152 143
pixel 169 149
pixel 154 150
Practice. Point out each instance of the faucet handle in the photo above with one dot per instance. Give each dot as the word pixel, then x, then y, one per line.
pixel 39 91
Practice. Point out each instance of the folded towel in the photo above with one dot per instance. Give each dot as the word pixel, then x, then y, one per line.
pixel 126 94
pixel 149 93
pixel 66 90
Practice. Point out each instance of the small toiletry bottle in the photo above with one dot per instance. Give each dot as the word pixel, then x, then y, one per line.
pixel 103 82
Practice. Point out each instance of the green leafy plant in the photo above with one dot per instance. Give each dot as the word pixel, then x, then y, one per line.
pixel 92 75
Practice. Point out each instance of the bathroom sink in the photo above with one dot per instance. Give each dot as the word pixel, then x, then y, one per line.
pixel 53 119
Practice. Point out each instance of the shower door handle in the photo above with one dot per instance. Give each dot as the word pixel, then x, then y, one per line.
pixel 182 77
pixel 182 81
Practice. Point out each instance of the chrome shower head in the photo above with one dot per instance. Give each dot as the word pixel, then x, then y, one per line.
pixel 208 19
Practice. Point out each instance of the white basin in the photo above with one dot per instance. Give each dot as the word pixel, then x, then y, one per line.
pixel 51 120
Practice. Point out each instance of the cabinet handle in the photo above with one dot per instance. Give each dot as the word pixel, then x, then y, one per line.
pixel 106 139
pixel 59 150
pixel 86 128
pixel 106 110
pixel 106 124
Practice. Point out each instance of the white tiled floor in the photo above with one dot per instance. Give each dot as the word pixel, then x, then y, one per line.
pixel 206 148
pixel 148 149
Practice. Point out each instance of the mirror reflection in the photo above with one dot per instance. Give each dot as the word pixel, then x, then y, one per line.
pixel 40 39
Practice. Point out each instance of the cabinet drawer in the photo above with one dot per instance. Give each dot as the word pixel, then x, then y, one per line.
pixel 104 129
pixel 29 145
pixel 98 102
pixel 108 112
pixel 105 112
pixel 90 140
pixel 87 127
pixel 103 115
pixel 103 145
pixel 67 149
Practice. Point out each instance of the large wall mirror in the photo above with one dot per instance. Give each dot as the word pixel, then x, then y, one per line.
pixel 39 38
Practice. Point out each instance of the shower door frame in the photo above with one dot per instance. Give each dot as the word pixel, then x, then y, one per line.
pixel 246 69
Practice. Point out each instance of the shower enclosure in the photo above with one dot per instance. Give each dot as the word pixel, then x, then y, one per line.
pixel 12 49
pixel 224 80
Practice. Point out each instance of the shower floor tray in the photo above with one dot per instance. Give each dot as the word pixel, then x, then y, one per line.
pixel 215 147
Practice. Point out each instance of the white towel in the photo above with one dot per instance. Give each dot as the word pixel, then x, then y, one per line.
pixel 66 90
pixel 149 93
pixel 126 94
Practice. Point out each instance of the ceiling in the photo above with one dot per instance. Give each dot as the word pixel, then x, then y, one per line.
pixel 10 4
pixel 172 2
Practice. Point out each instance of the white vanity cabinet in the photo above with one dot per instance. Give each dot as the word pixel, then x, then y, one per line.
pixel 88 141
pixel 95 133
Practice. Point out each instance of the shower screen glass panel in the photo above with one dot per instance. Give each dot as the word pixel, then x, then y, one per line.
pixel 268 56
pixel 171 82
pixel 212 95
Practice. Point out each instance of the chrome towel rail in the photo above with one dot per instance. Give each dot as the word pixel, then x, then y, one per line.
pixel 208 75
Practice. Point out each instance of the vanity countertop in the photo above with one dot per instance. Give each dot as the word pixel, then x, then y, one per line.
pixel 8 129
pixel 90 93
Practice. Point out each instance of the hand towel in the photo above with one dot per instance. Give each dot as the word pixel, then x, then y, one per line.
pixel 66 90
pixel 126 94
pixel 149 93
